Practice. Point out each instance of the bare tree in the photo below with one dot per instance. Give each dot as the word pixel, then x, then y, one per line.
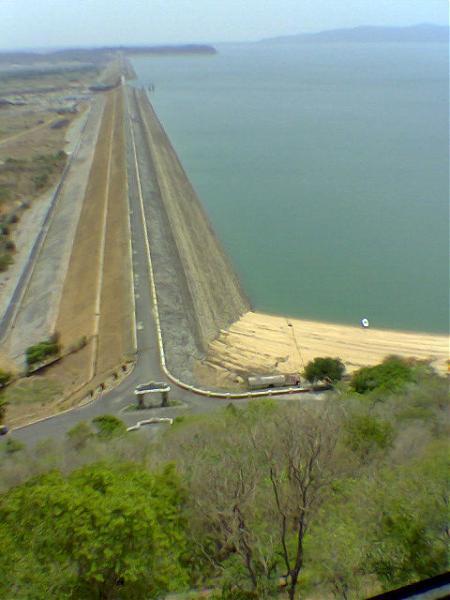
pixel 302 464
pixel 257 479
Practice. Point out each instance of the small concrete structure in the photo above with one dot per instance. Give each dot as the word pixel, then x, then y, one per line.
pixel 152 387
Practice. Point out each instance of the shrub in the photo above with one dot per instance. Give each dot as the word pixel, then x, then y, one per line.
pixel 5 261
pixel 109 426
pixel 5 378
pixel 366 434
pixel 324 368
pixel 80 435
pixel 39 352
pixel 40 180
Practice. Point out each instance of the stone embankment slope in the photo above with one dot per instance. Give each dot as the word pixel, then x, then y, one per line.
pixel 216 297
pixel 261 343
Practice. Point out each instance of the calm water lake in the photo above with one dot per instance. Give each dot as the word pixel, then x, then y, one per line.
pixel 324 170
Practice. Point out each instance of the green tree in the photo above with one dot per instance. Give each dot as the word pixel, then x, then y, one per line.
pixel 326 368
pixel 384 529
pixel 104 532
pixel 411 529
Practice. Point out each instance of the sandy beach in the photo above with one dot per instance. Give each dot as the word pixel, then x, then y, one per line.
pixel 261 343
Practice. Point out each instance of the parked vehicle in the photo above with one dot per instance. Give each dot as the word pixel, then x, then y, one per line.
pixel 3 430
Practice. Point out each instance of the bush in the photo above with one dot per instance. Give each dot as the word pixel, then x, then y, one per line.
pixel 5 261
pixel 3 405
pixel 39 352
pixel 5 378
pixel 366 434
pixel 109 426
pixel 391 375
pixel 40 180
pixel 331 369
pixel 80 435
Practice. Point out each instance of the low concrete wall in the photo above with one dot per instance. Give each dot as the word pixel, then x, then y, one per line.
pixel 217 299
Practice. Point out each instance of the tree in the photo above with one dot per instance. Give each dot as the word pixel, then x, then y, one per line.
pixel 320 369
pixel 104 532
pixel 302 466
pixel 384 529
pixel 257 478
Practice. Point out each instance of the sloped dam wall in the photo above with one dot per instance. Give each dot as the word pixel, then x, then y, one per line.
pixel 198 292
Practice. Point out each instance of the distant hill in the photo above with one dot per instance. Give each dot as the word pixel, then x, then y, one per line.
pixel 185 49
pixel 100 55
pixel 423 33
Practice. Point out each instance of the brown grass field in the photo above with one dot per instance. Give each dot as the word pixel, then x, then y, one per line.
pixel 77 313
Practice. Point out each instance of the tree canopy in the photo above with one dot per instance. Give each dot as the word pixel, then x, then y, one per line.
pixel 327 368
pixel 103 532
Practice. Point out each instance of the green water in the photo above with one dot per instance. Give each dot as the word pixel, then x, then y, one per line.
pixel 324 170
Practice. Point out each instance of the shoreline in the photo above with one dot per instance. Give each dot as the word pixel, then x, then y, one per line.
pixel 229 340
pixel 263 343
pixel 331 323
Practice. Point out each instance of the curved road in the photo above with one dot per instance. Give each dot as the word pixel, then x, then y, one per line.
pixel 147 365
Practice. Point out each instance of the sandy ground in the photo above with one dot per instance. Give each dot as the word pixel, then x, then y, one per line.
pixel 260 343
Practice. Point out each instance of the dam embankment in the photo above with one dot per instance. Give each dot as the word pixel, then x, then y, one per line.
pixel 198 292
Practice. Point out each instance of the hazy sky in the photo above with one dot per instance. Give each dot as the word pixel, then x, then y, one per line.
pixel 42 23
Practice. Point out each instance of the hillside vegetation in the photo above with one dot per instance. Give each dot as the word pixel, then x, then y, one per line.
pixel 341 497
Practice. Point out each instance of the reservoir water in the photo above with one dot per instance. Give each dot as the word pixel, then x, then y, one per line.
pixel 324 170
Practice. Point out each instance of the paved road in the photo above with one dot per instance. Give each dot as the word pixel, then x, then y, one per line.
pixel 148 362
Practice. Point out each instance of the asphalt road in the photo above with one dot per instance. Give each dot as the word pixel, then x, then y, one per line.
pixel 147 367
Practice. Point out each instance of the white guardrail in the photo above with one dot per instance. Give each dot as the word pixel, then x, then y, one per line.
pixel 162 356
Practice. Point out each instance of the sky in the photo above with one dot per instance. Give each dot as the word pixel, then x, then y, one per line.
pixel 62 23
